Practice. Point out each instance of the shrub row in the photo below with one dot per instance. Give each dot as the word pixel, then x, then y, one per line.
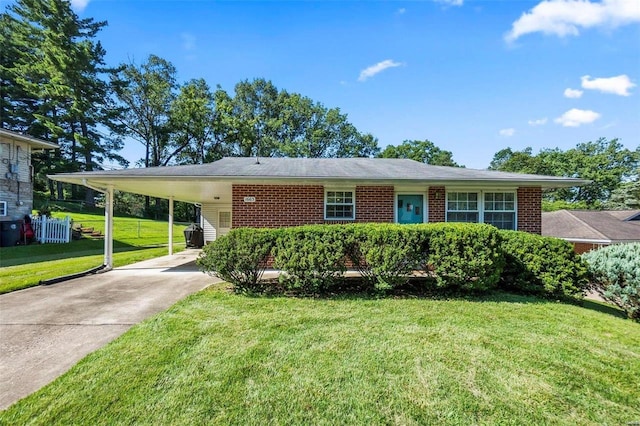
pixel 615 272
pixel 470 257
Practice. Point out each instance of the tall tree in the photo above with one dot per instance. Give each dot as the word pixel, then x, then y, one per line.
pixel 605 162
pixel 261 120
pixel 191 122
pixel 143 96
pixel 423 151
pixel 56 67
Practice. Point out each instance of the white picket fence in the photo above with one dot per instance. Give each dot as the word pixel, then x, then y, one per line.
pixel 52 230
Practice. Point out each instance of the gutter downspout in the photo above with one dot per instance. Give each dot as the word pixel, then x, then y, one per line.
pixel 108 224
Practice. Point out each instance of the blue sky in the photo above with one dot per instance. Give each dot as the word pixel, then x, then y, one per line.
pixel 471 76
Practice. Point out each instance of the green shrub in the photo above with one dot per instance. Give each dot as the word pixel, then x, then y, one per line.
pixel 312 258
pixel 385 254
pixel 615 272
pixel 240 257
pixel 541 265
pixel 463 255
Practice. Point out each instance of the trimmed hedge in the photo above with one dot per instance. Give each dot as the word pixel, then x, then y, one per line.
pixel 240 257
pixel 542 265
pixel 453 256
pixel 311 257
pixel 615 272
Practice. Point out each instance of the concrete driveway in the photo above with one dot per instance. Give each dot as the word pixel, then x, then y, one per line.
pixel 45 330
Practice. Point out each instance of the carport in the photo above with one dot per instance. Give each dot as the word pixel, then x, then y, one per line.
pixel 177 183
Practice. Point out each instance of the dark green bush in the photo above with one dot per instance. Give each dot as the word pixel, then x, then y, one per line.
pixel 615 271
pixel 312 258
pixel 541 265
pixel 385 254
pixel 463 255
pixel 240 257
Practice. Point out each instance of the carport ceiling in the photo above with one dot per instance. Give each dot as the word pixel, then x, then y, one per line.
pixel 191 190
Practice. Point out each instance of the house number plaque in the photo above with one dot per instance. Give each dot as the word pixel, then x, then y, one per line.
pixel 249 199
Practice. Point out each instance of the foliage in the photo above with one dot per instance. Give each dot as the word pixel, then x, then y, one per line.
pixel 239 257
pixel 312 257
pixel 541 265
pixel 386 254
pixel 552 206
pixel 423 151
pixel 605 162
pixel 218 358
pixel 55 69
pixel 464 255
pixel 262 120
pixel 615 271
pixel 625 197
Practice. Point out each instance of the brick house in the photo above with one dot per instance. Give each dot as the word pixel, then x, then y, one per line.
pixel 275 192
pixel 16 173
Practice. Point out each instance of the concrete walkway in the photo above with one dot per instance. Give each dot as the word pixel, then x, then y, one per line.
pixel 45 330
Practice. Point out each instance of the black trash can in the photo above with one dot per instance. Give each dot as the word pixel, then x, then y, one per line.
pixel 194 236
pixel 10 233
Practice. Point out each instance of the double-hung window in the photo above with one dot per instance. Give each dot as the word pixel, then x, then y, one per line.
pixel 463 207
pixel 340 205
pixel 500 209
pixel 495 208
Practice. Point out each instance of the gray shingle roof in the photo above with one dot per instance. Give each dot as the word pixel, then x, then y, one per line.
pixel 356 169
pixel 590 225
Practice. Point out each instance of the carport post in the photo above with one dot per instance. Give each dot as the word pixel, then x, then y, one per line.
pixel 170 226
pixel 108 228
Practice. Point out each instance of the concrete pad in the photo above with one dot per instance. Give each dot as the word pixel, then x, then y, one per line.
pixel 45 330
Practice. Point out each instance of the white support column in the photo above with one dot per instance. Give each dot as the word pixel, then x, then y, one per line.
pixel 108 228
pixel 170 226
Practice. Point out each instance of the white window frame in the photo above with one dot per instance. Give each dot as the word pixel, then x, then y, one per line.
pixel 481 203
pixel 352 204
pixel 478 210
pixel 514 211
pixel 3 208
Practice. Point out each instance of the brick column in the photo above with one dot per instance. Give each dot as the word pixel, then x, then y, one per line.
pixel 437 198
pixel 530 210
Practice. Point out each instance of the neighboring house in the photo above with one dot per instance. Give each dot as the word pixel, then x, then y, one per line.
pixel 276 192
pixel 16 173
pixel 590 229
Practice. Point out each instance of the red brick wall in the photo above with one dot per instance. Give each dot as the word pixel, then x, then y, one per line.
pixel 437 197
pixel 277 205
pixel 375 203
pixel 530 210
pixel 292 205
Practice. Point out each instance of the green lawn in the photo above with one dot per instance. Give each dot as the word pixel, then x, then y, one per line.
pixel 134 240
pixel 218 358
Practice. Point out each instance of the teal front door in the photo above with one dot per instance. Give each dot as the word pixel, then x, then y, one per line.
pixel 410 208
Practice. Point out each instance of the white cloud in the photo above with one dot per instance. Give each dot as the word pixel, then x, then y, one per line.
pixel 567 17
pixel 401 11
pixel 79 5
pixel 538 122
pixel 188 41
pixel 576 117
pixel 451 2
pixel 572 93
pixel 377 68
pixel 618 85
pixel 507 132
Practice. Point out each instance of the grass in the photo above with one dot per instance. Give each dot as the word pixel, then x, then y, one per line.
pixel 218 358
pixel 134 240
